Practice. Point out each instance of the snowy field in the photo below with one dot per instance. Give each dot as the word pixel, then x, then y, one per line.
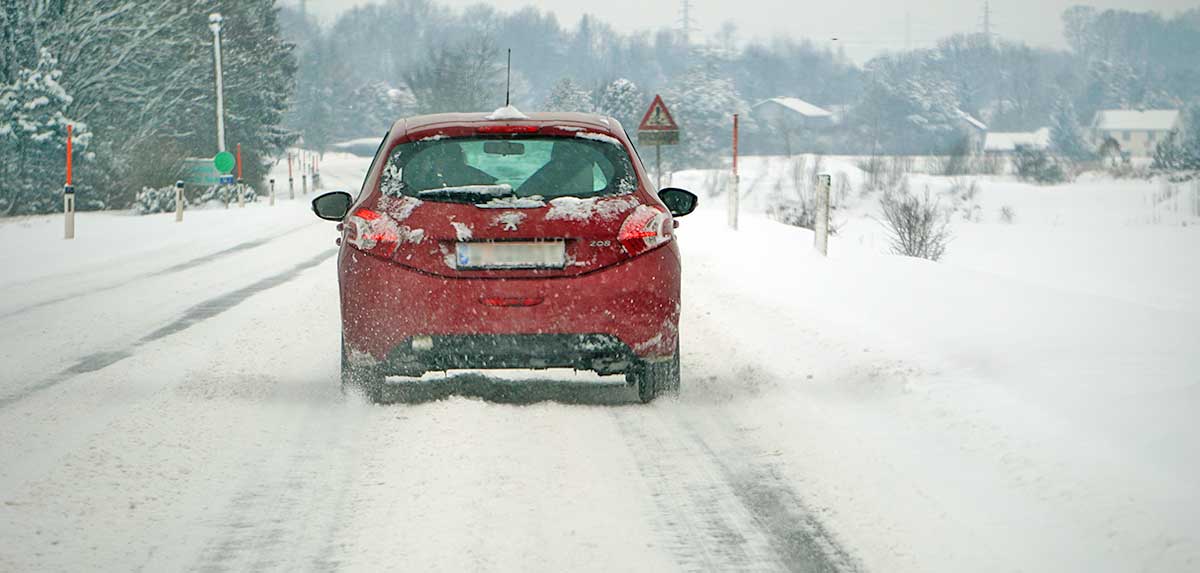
pixel 169 400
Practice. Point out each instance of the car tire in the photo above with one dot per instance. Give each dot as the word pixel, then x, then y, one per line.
pixel 360 379
pixel 657 378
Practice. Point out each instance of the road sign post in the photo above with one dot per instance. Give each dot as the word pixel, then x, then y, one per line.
pixel 658 128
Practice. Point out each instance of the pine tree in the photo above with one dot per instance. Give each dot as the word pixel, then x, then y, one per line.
pixel 569 96
pixel 1066 135
pixel 703 102
pixel 622 100
pixel 33 127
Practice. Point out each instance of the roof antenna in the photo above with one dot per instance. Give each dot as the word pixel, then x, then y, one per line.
pixel 508 81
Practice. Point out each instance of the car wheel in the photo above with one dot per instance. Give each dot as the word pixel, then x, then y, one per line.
pixel 657 378
pixel 359 378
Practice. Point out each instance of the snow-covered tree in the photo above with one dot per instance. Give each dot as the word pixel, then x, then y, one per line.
pixel 703 102
pixel 1180 151
pixel 1066 135
pixel 33 128
pixel 569 96
pixel 459 77
pixel 622 100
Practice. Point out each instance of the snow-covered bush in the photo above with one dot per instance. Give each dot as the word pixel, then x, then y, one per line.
pixel 225 194
pixel 916 224
pixel 1033 164
pixel 151 200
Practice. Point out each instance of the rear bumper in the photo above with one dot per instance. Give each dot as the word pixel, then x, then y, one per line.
pixel 410 322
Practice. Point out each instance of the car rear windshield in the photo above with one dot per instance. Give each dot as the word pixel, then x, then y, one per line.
pixel 476 170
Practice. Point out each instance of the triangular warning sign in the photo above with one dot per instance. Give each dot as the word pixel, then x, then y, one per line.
pixel 658 118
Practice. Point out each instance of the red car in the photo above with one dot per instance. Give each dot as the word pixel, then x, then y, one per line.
pixel 509 241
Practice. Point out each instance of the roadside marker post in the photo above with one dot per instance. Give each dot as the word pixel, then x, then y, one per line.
pixel 178 201
pixel 821 228
pixel 272 192
pixel 69 192
pixel 316 172
pixel 658 128
pixel 291 180
pixel 734 190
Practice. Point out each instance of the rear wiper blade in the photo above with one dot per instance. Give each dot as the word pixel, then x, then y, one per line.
pixel 467 192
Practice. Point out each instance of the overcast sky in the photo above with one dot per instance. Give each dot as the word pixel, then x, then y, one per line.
pixel 864 27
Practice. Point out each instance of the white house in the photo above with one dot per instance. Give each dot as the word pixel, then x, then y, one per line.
pixel 1136 131
pixel 792 113
pixel 1004 144
pixel 974 130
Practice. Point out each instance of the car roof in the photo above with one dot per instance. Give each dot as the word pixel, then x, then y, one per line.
pixel 424 122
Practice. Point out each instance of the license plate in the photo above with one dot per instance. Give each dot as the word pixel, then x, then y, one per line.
pixel 515 255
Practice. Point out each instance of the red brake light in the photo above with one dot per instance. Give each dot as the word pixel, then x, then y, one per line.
pixel 366 214
pixel 508 129
pixel 372 232
pixel 645 229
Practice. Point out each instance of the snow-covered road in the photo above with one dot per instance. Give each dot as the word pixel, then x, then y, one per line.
pixel 173 403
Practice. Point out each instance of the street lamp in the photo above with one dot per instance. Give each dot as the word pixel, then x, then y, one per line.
pixel 214 23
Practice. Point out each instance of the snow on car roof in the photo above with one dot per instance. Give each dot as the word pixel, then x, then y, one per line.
pixel 588 120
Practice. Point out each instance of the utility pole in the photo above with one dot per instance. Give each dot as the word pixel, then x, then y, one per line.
pixel 685 22
pixel 987 21
pixel 214 23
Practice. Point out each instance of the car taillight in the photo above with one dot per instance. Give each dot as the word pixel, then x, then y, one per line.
pixel 508 129
pixel 645 229
pixel 372 232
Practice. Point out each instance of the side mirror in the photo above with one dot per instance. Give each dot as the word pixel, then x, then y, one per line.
pixel 332 206
pixel 678 201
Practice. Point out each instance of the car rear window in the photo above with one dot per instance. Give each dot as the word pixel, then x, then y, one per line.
pixel 533 167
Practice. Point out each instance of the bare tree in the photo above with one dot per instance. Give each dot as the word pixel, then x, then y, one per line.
pixel 916 225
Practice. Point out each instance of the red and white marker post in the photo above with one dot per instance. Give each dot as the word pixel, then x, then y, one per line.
pixel 69 191
pixel 733 191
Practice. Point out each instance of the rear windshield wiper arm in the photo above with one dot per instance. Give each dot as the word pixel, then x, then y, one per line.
pixel 467 192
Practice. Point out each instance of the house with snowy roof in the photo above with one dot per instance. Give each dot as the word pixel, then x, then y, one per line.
pixel 1007 143
pixel 792 112
pixel 1137 132
pixel 974 130
pixel 794 123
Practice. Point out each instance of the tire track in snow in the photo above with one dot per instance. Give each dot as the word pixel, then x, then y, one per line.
pixel 198 313
pixel 179 267
pixel 724 510
pixel 286 519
